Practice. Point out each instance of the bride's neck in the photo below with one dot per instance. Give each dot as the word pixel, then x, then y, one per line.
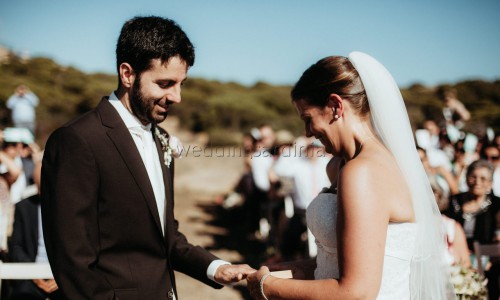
pixel 363 134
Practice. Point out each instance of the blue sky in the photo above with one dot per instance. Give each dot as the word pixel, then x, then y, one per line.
pixel 425 41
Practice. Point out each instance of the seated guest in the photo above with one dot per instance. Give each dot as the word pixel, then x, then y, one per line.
pixel 9 172
pixel 476 210
pixel 457 251
pixel 27 245
pixel 438 175
pixel 491 152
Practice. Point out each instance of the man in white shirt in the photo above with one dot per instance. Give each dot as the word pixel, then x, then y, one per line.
pixel 308 171
pixel 23 104
pixel 107 182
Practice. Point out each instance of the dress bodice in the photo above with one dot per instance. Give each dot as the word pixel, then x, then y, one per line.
pixel 399 247
pixel 321 217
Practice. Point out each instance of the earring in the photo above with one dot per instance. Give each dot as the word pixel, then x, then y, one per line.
pixel 336 116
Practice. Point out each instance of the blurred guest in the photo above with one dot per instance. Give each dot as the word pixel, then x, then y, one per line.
pixel 457 251
pixel 428 139
pixel 268 136
pixel 28 154
pixel 244 189
pixel 445 144
pixel 285 189
pixel 262 159
pixel 459 168
pixel 261 163
pixel 14 141
pixel 27 245
pixel 317 160
pixel 309 175
pixel 491 152
pixel 476 210
pixel 454 111
pixel 249 143
pixel 428 136
pixel 496 140
pixel 23 103
pixel 9 172
pixel 439 175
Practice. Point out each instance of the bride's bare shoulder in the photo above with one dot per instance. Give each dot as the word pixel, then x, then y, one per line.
pixel 369 166
pixel 376 177
pixel 373 172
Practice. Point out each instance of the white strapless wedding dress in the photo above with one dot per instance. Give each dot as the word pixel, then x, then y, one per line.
pixel 399 246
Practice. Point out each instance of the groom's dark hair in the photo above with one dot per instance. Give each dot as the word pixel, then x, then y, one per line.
pixel 145 38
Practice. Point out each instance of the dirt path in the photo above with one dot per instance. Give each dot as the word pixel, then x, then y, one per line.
pixel 198 180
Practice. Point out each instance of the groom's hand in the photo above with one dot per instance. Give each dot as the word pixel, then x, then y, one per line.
pixel 226 274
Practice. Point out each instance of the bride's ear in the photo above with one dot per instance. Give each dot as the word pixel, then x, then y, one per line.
pixel 336 105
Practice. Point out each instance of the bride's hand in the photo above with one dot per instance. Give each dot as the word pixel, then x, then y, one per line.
pixel 253 281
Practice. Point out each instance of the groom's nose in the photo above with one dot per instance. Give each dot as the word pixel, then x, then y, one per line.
pixel 174 94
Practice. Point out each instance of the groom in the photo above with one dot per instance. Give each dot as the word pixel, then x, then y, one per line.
pixel 107 186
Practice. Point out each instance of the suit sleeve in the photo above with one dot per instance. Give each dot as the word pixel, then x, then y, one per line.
pixel 189 259
pixel 69 190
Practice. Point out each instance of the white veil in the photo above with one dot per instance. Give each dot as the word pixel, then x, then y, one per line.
pixel 429 277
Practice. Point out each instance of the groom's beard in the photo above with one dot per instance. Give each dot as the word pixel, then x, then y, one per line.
pixel 143 106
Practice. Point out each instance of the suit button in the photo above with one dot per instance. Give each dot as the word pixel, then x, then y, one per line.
pixel 170 294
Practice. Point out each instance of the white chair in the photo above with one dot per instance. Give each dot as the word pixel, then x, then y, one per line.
pixel 24 271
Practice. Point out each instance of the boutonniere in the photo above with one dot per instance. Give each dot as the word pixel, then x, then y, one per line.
pixel 171 147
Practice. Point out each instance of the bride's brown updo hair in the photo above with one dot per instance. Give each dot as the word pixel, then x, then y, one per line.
pixel 332 75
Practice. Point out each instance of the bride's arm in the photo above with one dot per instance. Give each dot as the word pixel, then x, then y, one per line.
pixel 365 214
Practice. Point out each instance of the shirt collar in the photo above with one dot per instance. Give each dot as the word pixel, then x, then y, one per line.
pixel 128 118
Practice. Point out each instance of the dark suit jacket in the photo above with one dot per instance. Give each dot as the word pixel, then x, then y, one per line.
pixel 24 240
pixel 101 224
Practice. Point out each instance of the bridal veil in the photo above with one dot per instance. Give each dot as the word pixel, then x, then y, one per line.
pixel 429 277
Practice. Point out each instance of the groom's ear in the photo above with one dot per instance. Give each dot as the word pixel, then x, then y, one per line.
pixel 127 75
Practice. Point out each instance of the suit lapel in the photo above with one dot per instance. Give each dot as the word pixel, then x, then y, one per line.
pixel 120 136
pixel 167 181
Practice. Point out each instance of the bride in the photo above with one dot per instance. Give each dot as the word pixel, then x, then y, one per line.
pixel 386 219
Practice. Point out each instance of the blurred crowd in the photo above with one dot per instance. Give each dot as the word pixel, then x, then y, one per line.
pixel 282 175
pixel 18 155
pixel 21 235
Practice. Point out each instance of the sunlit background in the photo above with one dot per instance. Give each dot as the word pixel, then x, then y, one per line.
pixel 427 42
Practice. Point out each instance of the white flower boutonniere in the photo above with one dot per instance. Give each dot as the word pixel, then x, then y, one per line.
pixel 171 147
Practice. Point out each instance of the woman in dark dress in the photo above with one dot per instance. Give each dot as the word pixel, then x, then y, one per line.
pixel 476 210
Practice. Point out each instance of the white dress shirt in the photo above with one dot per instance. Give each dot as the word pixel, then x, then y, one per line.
pixel 41 254
pixel 261 162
